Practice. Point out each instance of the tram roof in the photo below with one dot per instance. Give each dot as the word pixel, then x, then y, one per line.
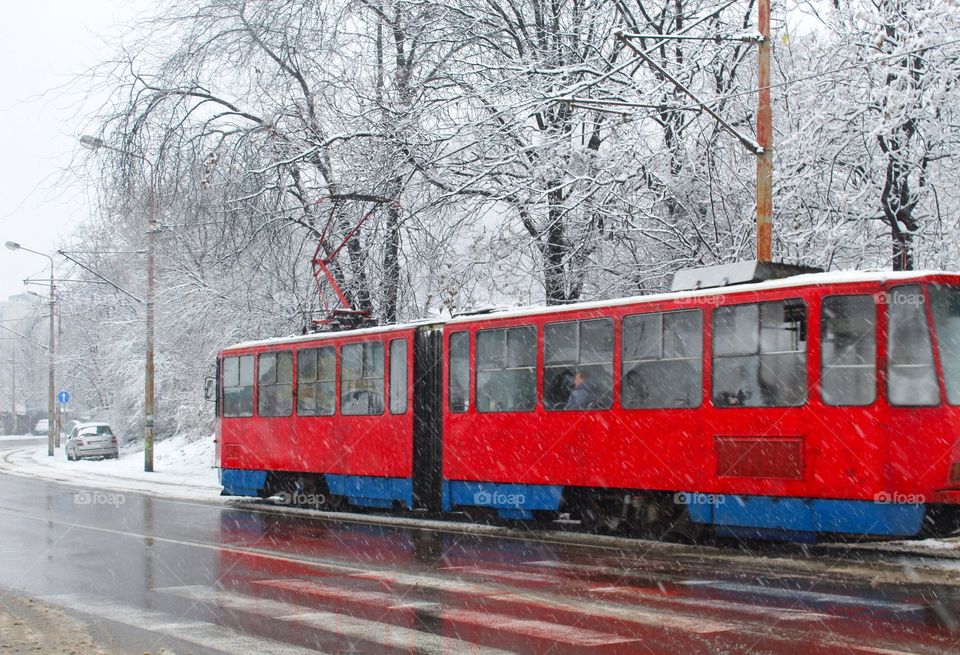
pixel 803 280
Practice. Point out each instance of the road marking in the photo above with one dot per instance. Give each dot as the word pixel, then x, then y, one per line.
pixel 804 595
pixel 508 574
pixel 847 647
pixel 198 633
pixel 780 614
pixel 557 632
pixel 647 594
pixel 375 598
pixel 593 608
pixel 374 632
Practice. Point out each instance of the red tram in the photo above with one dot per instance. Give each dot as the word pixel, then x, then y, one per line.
pixel 812 403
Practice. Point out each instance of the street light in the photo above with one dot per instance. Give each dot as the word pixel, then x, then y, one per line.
pixel 51 418
pixel 93 143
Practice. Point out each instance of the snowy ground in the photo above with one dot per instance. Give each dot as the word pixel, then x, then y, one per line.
pixel 183 468
pixel 27 626
pixel 21 437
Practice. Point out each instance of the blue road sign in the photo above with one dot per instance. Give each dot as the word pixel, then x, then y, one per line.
pixel 63 397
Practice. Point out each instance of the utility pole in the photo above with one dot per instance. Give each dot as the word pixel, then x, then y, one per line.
pixel 149 377
pixel 762 146
pixel 13 390
pixel 95 143
pixel 764 138
pixel 51 400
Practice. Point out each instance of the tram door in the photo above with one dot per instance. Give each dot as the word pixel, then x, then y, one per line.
pixel 427 417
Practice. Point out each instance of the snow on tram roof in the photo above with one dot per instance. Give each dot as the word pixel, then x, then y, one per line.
pixel 322 336
pixel 804 280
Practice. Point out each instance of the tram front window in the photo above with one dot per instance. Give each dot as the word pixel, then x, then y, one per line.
pixel 946 321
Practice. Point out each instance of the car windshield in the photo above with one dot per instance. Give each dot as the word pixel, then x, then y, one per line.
pixel 946 319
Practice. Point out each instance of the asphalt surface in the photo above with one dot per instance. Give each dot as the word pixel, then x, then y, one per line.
pixel 148 574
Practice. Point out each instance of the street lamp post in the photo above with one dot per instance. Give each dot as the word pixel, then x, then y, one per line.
pixel 93 143
pixel 51 396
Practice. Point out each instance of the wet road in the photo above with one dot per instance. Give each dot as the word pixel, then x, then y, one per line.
pixel 202 578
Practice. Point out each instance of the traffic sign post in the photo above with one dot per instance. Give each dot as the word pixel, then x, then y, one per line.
pixel 62 398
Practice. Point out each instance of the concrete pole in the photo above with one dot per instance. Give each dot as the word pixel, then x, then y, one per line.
pixel 149 377
pixel 13 390
pixel 765 139
pixel 51 352
pixel 94 143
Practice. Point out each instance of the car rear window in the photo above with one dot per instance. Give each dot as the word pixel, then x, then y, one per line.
pixel 96 429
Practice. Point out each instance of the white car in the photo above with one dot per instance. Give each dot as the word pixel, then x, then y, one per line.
pixel 42 427
pixel 93 440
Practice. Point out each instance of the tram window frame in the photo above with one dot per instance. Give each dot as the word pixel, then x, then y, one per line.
pixel 560 368
pixel 900 299
pixel 398 372
pixel 665 356
pixel 505 365
pixel 840 364
pixel 945 303
pixel 458 372
pixel 240 374
pixel 321 389
pixel 760 347
pixel 367 376
pixel 274 397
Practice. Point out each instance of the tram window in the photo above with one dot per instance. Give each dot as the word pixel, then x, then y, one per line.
pixel 849 350
pixel 459 365
pixel 946 320
pixel 578 350
pixel 398 376
pixel 911 377
pixel 760 354
pixel 662 360
pixel 276 384
pixel 506 373
pixel 238 386
pixel 361 379
pixel 317 381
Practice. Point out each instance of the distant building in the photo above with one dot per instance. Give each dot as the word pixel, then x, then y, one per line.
pixel 22 362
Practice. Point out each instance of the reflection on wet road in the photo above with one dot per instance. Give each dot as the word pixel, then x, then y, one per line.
pixel 203 578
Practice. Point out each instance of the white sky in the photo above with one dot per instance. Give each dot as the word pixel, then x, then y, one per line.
pixel 44 45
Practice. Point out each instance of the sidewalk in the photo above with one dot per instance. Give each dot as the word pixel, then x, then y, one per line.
pixel 27 626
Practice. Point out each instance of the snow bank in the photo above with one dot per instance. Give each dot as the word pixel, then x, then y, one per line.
pixel 183 468
pixel 22 437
